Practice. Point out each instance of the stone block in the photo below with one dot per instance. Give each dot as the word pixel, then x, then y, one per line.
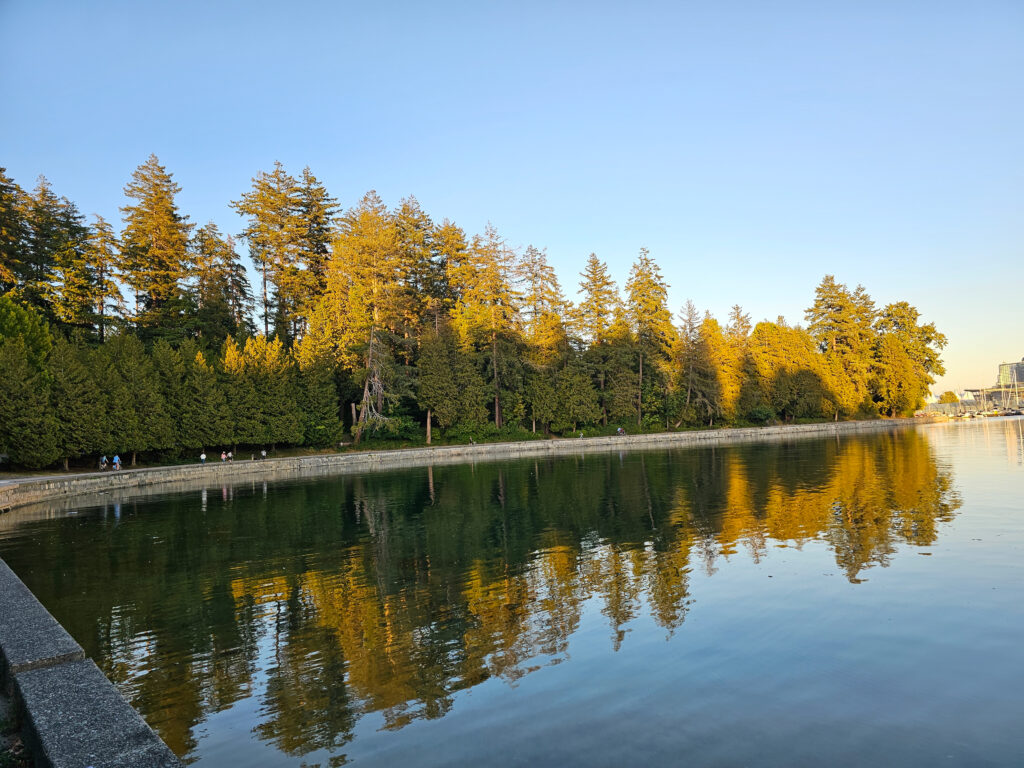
pixel 75 718
pixel 30 637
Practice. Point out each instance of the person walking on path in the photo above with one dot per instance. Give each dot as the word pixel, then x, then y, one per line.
pixel 117 462
pixel 231 456
pixel 103 462
pixel 223 456
pixel 263 454
pixel 202 457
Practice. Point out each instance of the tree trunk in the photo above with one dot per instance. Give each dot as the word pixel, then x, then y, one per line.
pixel 354 418
pixel 604 406
pixel 266 308
pixel 133 458
pixel 640 394
pixel 497 383
pixel 428 426
pixel 65 463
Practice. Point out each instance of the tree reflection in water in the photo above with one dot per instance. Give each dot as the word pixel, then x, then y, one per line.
pixel 389 593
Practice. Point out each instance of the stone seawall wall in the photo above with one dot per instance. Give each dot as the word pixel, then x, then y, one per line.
pixel 105 485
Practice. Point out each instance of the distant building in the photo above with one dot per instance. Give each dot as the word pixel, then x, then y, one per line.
pixel 1010 374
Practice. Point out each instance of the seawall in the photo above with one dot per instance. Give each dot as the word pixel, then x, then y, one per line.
pixel 97 487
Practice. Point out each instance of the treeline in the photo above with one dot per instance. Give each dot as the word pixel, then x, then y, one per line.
pixel 384 323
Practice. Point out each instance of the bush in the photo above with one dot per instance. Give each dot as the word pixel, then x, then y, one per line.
pixel 761 414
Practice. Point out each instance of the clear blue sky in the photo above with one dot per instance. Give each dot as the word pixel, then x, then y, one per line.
pixel 752 146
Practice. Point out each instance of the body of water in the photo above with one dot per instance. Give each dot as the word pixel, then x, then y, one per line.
pixel 845 601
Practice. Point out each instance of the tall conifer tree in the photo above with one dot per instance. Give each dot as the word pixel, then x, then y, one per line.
pixel 13 230
pixel 75 402
pixel 275 232
pixel 317 211
pixel 27 426
pixel 155 251
pixel 223 298
pixel 647 307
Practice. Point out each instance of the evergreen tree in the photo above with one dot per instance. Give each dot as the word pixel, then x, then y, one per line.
pixel 450 386
pixel 487 313
pixel 619 397
pixel 75 402
pixel 542 399
pixel 361 318
pixel 595 312
pixel 473 391
pixel 57 237
pixel 577 400
pixel 223 299
pixel 203 411
pixel 316 211
pixel 276 235
pixel 651 322
pixel 420 271
pixel 841 324
pixel 450 254
pixel 592 320
pixel 896 381
pixel 544 310
pixel 271 371
pixel 243 400
pixel 102 256
pixel 170 378
pixel 785 373
pixel 13 231
pixel 321 423
pixel 27 427
pixel 18 322
pixel 922 343
pixel 739 326
pixel 689 360
pixel 136 409
pixel 155 251
pixel 703 372
pixel 436 387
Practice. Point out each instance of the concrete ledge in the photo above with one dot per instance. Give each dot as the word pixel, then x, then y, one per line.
pixel 30 638
pixel 75 718
pixel 28 491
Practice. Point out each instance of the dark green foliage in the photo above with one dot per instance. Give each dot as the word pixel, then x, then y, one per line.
pixel 221 294
pixel 137 415
pixel 575 398
pixel 75 401
pixel 203 410
pixel 321 425
pixel 27 424
pixel 18 322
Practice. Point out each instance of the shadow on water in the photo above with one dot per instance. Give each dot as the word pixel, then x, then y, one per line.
pixel 390 593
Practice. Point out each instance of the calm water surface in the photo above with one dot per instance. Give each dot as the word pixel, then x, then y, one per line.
pixel 852 601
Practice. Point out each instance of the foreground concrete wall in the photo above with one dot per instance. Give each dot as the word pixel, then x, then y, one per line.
pixel 33 491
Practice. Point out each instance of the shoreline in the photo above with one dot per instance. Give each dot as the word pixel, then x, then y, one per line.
pixel 76 490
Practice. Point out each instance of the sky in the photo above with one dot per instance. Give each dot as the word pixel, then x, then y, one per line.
pixel 752 147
